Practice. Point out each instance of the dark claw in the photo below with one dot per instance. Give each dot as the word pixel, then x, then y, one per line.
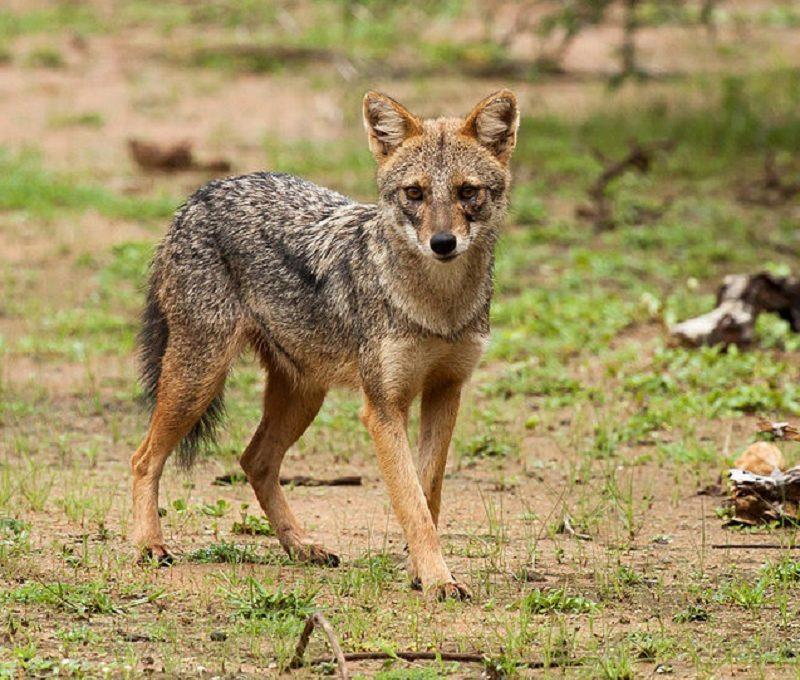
pixel 158 556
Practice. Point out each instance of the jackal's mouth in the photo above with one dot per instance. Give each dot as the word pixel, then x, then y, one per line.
pixel 447 258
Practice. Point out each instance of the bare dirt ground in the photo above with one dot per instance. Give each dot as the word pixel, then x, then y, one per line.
pixel 70 423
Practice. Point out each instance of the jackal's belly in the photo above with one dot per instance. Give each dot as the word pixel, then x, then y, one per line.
pixel 308 353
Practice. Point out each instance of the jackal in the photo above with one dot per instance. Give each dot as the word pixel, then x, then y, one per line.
pixel 390 298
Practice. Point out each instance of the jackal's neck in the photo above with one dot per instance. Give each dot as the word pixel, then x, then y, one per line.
pixel 443 297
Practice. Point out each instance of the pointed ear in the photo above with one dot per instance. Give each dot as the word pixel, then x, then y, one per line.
pixel 388 124
pixel 494 122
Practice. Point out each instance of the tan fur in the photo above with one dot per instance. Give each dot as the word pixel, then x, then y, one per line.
pixel 423 324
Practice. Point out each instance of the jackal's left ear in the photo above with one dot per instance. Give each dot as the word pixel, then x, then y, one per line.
pixel 494 122
pixel 388 124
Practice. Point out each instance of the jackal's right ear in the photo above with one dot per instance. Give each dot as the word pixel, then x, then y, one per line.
pixel 388 124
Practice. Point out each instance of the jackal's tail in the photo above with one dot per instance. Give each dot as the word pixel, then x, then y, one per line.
pixel 153 338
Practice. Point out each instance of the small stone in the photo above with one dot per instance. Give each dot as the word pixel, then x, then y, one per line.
pixel 218 636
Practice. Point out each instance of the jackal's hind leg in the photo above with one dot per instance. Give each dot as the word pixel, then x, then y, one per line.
pixel 184 393
pixel 288 410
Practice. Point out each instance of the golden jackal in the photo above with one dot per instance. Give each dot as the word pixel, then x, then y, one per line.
pixel 391 298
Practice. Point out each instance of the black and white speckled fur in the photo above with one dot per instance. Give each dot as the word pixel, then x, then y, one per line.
pixel 333 292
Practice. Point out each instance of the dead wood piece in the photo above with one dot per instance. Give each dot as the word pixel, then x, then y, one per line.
pixel 302 480
pixel 317 619
pixel 763 499
pixel 233 478
pixel 772 190
pixel 778 431
pixel 740 300
pixel 171 158
pixel 640 158
pixel 230 479
pixel 753 546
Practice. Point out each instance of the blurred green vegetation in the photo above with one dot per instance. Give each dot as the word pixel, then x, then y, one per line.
pixel 27 187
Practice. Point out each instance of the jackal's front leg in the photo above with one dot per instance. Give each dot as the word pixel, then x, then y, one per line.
pixel 438 413
pixel 387 425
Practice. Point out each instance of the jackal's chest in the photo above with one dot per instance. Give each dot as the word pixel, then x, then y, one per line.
pixel 407 365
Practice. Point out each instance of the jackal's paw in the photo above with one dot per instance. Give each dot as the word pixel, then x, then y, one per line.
pixel 452 590
pixel 313 553
pixel 158 555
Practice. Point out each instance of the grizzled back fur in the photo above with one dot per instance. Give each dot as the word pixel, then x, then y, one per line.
pixel 318 283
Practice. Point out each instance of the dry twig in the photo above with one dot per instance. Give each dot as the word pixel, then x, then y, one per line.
pixel 772 190
pixel 317 619
pixel 640 158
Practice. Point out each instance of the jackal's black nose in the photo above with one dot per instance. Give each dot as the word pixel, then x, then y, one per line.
pixel 443 243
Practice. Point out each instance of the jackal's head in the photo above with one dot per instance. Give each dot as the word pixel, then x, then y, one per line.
pixel 444 182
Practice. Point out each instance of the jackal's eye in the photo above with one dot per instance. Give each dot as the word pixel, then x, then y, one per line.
pixel 413 193
pixel 467 192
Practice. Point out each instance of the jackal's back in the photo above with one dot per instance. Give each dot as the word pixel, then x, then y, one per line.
pixel 274 258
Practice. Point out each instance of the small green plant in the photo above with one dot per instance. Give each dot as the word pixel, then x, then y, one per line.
pixel 218 509
pixel 230 553
pixel 35 486
pixel 556 600
pixel 744 593
pixel 180 506
pixel 256 601
pixel 79 635
pixel 253 525
pixel 82 599
pixel 649 646
pixel 616 664
pixel 14 538
pixel 784 571
pixel 693 612
pixel 488 445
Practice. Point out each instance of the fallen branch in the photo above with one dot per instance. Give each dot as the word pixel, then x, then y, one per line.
pixel 740 300
pixel 171 158
pixel 640 158
pixel 754 546
pixel 233 478
pixel 317 619
pixel 772 190
pixel 302 480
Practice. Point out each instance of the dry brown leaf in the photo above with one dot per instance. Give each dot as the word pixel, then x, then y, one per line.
pixel 761 458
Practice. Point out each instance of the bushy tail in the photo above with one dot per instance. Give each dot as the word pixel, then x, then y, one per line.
pixel 153 338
